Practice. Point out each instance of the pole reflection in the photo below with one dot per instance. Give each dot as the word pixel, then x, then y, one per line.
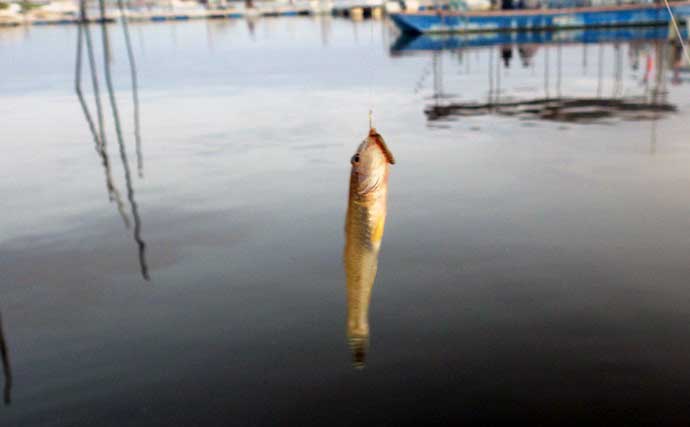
pixel 84 35
pixel 135 87
pixel 620 104
pixel 6 368
pixel 120 142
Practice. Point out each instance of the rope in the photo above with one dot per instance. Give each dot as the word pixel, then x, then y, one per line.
pixel 675 25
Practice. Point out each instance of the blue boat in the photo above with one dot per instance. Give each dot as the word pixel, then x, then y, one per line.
pixel 440 21
pixel 411 43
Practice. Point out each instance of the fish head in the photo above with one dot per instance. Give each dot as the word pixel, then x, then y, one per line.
pixel 370 164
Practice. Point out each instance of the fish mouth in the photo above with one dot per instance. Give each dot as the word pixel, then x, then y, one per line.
pixel 382 145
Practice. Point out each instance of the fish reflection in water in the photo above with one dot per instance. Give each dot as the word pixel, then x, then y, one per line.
pixel 7 371
pixel 365 220
pixel 99 136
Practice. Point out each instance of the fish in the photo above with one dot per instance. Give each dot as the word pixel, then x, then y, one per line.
pixel 364 224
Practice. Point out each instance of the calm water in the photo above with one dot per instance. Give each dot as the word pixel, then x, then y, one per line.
pixel 534 265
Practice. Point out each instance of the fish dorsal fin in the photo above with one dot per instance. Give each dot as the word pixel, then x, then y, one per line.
pixel 379 140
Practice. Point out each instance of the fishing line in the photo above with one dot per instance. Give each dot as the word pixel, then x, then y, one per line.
pixel 680 36
pixel 371 69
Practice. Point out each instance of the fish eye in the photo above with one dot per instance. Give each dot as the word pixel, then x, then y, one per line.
pixel 355 158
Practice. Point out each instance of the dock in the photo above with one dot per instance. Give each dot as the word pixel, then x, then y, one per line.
pixel 65 12
pixel 359 9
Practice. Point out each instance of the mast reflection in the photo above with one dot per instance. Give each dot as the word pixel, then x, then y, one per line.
pixel 4 352
pixel 84 34
pixel 135 86
pixel 120 141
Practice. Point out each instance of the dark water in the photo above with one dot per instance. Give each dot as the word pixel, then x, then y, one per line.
pixel 534 266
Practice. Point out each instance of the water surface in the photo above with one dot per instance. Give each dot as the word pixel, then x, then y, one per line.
pixel 532 267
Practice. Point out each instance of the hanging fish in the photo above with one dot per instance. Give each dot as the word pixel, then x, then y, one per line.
pixel 366 216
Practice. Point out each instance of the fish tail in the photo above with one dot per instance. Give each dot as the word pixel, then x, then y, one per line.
pixel 358 346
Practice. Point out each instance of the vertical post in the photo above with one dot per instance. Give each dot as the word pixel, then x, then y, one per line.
pixel 546 72
pixel 491 77
pixel 600 70
pixel 560 70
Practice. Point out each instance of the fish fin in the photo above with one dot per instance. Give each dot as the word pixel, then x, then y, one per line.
pixel 379 140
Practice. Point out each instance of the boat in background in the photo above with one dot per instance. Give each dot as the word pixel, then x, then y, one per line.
pixel 411 43
pixel 448 21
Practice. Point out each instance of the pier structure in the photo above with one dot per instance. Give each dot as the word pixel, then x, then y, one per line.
pixel 359 9
pixel 66 11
